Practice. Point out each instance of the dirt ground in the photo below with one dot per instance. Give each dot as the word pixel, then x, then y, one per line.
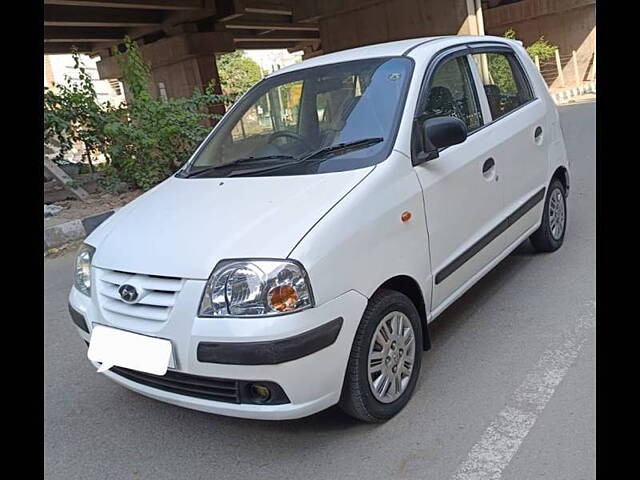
pixel 63 250
pixel 75 209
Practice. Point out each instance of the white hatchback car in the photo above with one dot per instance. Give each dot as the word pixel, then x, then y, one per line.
pixel 341 205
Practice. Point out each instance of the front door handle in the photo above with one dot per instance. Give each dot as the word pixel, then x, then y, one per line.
pixel 489 163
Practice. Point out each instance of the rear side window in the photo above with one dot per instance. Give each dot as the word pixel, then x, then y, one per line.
pixel 452 93
pixel 504 82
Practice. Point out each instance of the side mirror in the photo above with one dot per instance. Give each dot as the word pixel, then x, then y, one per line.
pixel 440 132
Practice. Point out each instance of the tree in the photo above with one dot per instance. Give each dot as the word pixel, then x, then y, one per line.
pixel 238 73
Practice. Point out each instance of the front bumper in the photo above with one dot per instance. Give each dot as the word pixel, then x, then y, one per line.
pixel 272 349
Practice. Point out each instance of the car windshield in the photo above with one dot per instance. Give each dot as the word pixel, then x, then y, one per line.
pixel 322 119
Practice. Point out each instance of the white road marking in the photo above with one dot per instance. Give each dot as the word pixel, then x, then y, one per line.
pixel 500 441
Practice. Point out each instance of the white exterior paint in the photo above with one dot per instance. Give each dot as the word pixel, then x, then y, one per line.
pixel 185 215
pixel 344 228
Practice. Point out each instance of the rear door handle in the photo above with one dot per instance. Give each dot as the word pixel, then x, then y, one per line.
pixel 537 133
pixel 489 163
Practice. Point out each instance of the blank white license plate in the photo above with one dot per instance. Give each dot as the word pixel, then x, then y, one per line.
pixel 110 346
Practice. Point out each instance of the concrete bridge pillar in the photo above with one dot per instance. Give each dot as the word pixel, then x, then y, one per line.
pixel 179 64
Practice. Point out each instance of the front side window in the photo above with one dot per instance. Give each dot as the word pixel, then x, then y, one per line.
pixel 504 82
pixel 322 119
pixel 451 93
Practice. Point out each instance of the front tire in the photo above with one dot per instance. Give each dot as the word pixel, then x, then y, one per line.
pixel 385 359
pixel 550 235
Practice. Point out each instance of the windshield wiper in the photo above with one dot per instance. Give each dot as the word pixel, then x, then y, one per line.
pixel 317 154
pixel 189 174
pixel 340 147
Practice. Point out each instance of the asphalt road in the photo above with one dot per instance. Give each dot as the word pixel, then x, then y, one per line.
pixel 507 391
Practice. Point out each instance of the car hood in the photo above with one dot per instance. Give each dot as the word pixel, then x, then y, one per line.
pixel 183 227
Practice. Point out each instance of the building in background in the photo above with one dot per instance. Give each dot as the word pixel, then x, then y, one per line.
pixel 273 60
pixel 57 68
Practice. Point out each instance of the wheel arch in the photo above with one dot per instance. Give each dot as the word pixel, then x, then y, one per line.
pixel 562 174
pixel 411 288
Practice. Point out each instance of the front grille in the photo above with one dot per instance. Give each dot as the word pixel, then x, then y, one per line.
pixel 220 390
pixel 157 294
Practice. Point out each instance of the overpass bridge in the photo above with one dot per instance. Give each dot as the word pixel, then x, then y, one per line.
pixel 180 37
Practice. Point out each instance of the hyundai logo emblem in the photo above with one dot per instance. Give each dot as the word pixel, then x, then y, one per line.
pixel 128 293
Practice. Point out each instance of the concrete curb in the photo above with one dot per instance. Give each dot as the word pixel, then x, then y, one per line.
pixel 73 230
pixel 566 95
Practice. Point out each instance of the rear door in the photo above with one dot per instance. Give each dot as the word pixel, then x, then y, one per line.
pixel 519 132
pixel 463 199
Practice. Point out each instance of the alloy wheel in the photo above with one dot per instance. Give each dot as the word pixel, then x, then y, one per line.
pixel 556 214
pixel 391 357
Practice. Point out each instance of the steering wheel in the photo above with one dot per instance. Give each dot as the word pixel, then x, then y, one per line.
pixel 291 135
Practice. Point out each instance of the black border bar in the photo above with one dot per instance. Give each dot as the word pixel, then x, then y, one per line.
pixel 78 319
pixel 489 237
pixel 270 352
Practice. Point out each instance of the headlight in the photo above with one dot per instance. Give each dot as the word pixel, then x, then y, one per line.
pixel 256 288
pixel 82 275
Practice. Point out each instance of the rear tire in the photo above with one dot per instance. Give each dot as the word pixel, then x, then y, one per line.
pixel 550 235
pixel 378 382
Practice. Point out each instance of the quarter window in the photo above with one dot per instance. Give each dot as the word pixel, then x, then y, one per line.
pixel 452 94
pixel 504 82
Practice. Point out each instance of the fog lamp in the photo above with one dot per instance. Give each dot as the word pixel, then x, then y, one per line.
pixel 260 393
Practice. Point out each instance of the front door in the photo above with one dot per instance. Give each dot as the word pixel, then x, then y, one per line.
pixel 462 194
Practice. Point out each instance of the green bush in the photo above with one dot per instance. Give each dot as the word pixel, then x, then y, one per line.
pixel 73 114
pixel 144 140
pixel 543 49
pixel 499 67
pixel 151 138
pixel 500 72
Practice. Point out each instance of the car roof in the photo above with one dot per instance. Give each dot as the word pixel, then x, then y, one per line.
pixel 391 49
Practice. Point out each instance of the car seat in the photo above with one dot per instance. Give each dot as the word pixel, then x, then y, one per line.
pixel 440 103
pixel 494 97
